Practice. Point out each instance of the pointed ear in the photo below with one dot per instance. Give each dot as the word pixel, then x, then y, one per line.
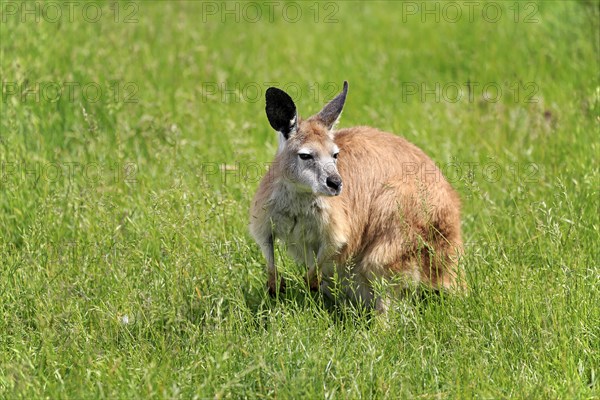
pixel 330 114
pixel 281 111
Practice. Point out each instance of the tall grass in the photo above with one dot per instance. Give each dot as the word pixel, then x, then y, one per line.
pixel 126 266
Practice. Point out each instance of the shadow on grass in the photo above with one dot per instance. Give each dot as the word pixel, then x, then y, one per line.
pixel 338 311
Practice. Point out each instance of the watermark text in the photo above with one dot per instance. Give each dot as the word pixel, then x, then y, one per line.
pixel 68 11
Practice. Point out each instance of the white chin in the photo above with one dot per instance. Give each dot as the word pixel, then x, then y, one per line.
pixel 327 192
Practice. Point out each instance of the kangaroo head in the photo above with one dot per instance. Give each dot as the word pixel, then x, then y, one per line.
pixel 307 151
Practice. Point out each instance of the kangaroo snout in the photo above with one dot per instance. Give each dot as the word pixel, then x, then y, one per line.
pixel 334 183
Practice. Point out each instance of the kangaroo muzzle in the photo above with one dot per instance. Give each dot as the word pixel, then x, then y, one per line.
pixel 334 183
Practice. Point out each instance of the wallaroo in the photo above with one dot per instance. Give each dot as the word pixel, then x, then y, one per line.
pixel 356 205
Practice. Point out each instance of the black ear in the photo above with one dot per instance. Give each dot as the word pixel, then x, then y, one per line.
pixel 281 111
pixel 332 110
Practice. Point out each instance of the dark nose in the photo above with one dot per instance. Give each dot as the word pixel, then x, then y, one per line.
pixel 334 182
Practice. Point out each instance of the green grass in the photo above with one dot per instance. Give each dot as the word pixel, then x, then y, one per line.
pixel 127 270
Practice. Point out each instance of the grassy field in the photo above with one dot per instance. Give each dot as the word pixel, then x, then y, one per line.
pixel 133 136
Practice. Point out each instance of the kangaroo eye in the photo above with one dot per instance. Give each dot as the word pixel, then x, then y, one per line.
pixel 335 155
pixel 304 156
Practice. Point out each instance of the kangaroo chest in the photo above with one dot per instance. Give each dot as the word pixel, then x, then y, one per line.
pixel 300 224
